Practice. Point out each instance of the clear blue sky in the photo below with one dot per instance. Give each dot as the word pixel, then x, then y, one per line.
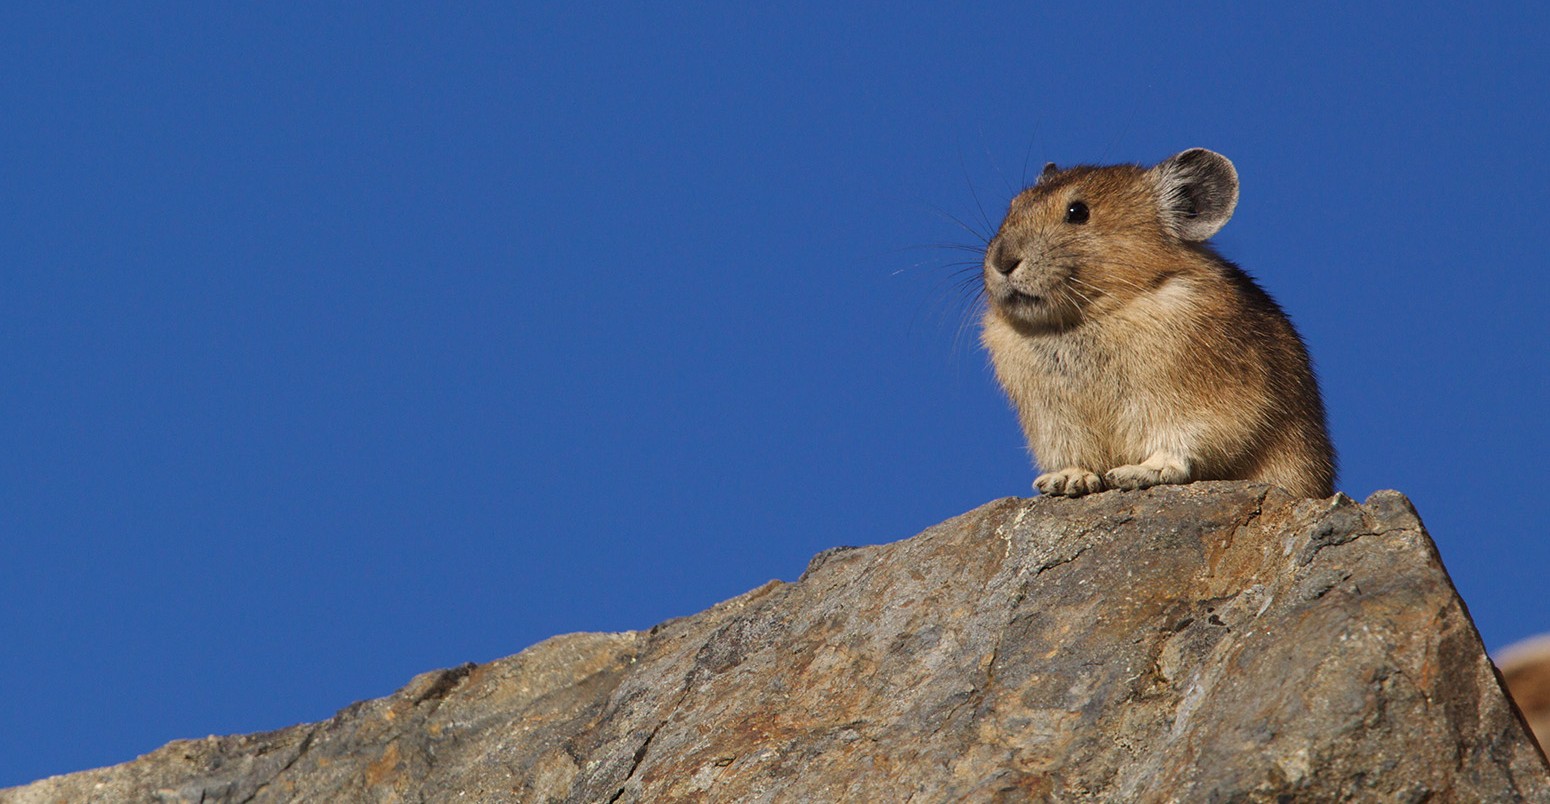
pixel 341 343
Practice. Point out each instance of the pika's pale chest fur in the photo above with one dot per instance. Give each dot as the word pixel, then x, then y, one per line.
pixel 1134 353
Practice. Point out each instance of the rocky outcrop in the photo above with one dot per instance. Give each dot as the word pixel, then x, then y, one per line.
pixel 1211 642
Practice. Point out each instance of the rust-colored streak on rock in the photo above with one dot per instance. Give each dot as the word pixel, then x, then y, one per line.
pixel 384 768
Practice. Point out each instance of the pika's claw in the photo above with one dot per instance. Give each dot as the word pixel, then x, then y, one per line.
pixel 1070 482
pixel 1157 470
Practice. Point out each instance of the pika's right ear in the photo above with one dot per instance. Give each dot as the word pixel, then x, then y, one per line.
pixel 1197 191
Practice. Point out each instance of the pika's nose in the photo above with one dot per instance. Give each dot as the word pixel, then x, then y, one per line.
pixel 1003 262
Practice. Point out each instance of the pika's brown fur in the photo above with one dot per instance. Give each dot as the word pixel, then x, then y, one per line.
pixel 1137 355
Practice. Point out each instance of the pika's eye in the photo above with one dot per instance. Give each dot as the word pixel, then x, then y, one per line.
pixel 1076 213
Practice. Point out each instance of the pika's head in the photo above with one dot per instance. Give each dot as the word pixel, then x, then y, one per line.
pixel 1087 239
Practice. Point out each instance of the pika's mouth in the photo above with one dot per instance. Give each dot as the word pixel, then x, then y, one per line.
pixel 1007 291
pixel 1040 300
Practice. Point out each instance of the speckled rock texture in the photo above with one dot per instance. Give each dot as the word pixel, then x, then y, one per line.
pixel 1206 643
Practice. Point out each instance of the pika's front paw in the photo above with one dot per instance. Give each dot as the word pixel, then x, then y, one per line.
pixel 1071 482
pixel 1154 472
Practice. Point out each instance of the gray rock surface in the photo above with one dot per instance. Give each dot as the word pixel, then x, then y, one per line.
pixel 1211 642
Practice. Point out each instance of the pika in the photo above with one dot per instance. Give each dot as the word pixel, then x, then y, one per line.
pixel 1134 353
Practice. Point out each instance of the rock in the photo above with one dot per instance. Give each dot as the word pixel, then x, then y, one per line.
pixel 1525 667
pixel 1211 642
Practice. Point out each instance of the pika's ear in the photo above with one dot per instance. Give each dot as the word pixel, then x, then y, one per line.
pixel 1197 191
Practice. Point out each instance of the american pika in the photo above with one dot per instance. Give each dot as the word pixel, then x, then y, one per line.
pixel 1137 355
